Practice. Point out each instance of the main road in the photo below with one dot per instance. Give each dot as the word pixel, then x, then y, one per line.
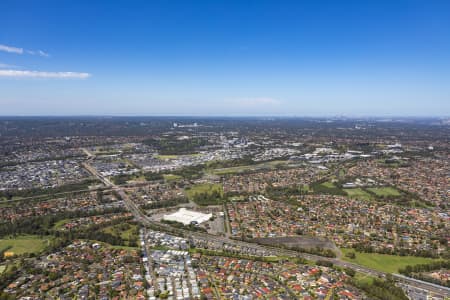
pixel 145 220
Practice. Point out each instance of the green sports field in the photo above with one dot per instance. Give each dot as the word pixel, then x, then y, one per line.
pixel 205 194
pixel 24 244
pixel 358 193
pixel 171 177
pixel 385 191
pixel 384 262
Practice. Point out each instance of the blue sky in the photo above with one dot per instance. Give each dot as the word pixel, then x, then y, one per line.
pixel 305 58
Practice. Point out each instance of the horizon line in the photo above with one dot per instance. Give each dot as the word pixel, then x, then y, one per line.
pixel 228 115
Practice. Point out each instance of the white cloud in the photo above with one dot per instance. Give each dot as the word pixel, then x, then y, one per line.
pixel 39 74
pixel 16 50
pixel 38 52
pixel 10 49
pixel 42 53
pixel 256 101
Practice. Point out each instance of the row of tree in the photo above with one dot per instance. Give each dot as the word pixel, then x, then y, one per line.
pixel 165 203
pixel 9 194
pixel 43 225
pixel 416 271
pixel 364 247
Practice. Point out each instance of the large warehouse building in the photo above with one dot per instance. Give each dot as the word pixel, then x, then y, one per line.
pixel 187 216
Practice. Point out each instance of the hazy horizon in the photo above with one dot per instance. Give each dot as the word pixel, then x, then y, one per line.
pixel 206 116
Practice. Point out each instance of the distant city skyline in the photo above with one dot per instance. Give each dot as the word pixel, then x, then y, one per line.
pixel 225 58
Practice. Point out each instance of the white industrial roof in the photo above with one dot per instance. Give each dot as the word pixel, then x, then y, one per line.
pixel 187 216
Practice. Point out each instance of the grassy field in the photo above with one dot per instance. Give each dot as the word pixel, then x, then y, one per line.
pixel 384 262
pixel 2 268
pixel 24 244
pixel 385 191
pixel 14 198
pixel 231 170
pixel 327 187
pixel 140 178
pixel 358 193
pixel 362 278
pixel 237 198
pixel 124 230
pixel 171 177
pixel 167 156
pixel 328 184
pixel 207 188
pixel 205 194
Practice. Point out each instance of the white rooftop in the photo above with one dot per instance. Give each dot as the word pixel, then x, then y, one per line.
pixel 186 216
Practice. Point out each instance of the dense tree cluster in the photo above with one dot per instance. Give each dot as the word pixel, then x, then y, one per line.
pixel 218 164
pixel 43 225
pixel 149 176
pixel 317 251
pixel 172 146
pixel 319 188
pixel 381 289
pixel 324 263
pixel 152 176
pixel 363 247
pixel 9 194
pixel 213 197
pixel 417 270
pixel 190 172
pixel 165 203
